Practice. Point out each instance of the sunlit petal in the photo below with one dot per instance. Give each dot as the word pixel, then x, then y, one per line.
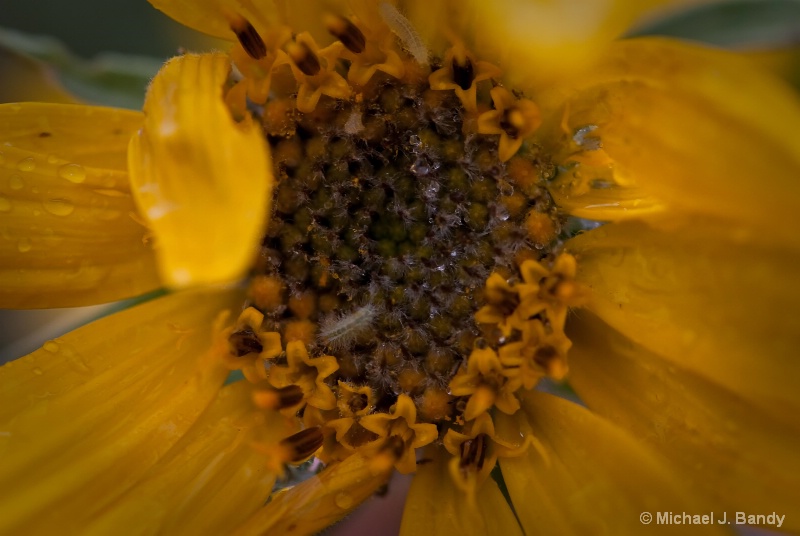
pixel 202 181
pixel 71 234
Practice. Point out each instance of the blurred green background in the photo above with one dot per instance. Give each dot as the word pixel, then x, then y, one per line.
pixel 89 27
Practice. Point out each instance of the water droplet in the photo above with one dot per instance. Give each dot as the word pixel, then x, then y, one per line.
pixel 38 371
pixel 16 182
pixel 53 159
pixel 24 245
pixel 58 207
pixel 72 172
pixel 5 204
pixel 27 165
pixel 51 346
pixel 343 500
pixel 76 360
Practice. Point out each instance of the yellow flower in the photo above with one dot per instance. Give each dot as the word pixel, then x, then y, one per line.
pixel 395 180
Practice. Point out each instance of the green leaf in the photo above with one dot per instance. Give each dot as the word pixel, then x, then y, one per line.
pixel 108 79
pixel 737 24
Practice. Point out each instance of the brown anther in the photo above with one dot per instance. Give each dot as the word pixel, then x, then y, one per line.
pixel 473 452
pixel 278 399
pixel 303 444
pixel 346 32
pixel 358 402
pixel 249 38
pixel 396 446
pixel 510 123
pixel 544 356
pixel 244 342
pixel 304 58
pixel 463 73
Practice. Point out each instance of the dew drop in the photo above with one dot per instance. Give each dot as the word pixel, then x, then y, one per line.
pixel 38 371
pixel 27 164
pixel 16 182
pixel 5 204
pixel 343 500
pixel 72 172
pixel 24 245
pixel 51 346
pixel 58 207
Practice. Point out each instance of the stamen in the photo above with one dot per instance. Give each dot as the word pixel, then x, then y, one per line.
pixel 463 73
pixel 245 342
pixel 249 38
pixel 473 452
pixel 278 399
pixel 304 58
pixel 303 444
pixel 346 32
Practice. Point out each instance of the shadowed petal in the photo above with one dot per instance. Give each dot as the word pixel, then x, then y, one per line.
pixel 595 478
pixel 743 458
pixel 210 480
pixel 89 413
pixel 728 312
pixel 436 506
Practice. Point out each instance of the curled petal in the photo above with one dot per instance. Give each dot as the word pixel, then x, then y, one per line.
pixel 202 180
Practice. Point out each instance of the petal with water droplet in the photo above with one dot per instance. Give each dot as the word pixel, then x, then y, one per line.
pixel 66 243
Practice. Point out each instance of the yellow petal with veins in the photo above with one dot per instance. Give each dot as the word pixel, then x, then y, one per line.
pixel 202 181
pixel 71 233
pixel 319 501
pixel 436 506
pixel 725 310
pixel 210 480
pixel 534 42
pixel 588 476
pixel 743 458
pixel 214 17
pixel 87 415
pixel 701 130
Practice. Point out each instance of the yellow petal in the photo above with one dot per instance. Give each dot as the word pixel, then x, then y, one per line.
pixel 595 478
pixel 534 41
pixel 208 482
pixel 215 17
pixel 68 222
pixel 728 312
pixel 318 502
pixel 202 181
pixel 669 118
pixel 436 506
pixel 89 413
pixel 741 457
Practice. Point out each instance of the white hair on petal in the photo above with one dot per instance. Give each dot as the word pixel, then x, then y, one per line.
pixel 403 29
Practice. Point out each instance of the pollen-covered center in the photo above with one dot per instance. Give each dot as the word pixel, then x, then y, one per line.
pixel 387 221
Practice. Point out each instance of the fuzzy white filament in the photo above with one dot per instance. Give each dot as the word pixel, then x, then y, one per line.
pixel 403 29
pixel 340 332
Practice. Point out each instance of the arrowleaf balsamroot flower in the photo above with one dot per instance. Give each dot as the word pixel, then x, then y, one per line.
pixel 399 185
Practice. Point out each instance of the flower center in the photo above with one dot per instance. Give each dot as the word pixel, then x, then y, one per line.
pixel 410 280
pixel 389 229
